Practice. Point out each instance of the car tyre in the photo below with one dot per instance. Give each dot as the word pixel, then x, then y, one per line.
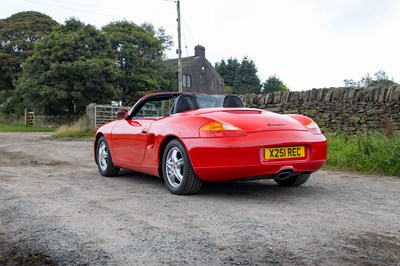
pixel 104 160
pixel 293 181
pixel 178 174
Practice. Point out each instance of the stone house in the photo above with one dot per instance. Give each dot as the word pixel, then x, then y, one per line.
pixel 198 75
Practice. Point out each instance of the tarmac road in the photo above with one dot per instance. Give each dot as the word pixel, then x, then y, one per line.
pixel 56 209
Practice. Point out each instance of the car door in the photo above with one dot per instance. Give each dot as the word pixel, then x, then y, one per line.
pixel 129 140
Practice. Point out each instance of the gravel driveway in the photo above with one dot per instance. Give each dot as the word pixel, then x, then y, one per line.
pixel 56 209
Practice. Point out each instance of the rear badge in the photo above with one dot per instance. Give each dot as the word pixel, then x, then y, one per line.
pixel 276 125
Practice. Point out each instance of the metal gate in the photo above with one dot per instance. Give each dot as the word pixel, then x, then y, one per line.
pixel 105 113
pixel 100 114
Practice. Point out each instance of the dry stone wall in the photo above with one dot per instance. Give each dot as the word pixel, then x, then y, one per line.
pixel 337 109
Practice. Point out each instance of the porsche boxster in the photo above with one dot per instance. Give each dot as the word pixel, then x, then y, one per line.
pixel 186 139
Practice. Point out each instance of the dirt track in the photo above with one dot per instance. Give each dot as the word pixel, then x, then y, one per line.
pixel 56 209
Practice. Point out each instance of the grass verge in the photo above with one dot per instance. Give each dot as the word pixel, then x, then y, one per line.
pixel 78 130
pixel 4 127
pixel 370 152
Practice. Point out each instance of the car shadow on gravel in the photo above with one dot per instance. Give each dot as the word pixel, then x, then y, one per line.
pixel 260 188
pixel 138 177
pixel 241 189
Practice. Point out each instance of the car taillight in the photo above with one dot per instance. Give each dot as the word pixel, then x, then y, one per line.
pixel 313 127
pixel 218 129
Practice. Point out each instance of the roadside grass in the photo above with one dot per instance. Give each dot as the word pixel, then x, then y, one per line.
pixel 77 130
pixel 5 127
pixel 369 152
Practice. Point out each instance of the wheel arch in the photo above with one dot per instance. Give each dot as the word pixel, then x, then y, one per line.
pixel 161 150
pixel 181 178
pixel 96 140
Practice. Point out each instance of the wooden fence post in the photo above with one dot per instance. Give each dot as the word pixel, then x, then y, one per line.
pixel 29 118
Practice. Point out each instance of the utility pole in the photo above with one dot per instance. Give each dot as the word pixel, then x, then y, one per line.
pixel 178 8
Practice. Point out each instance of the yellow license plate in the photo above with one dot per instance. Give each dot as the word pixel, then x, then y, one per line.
pixel 284 152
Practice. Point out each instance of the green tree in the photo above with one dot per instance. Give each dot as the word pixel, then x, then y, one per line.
pixel 380 79
pixel 160 34
pixel 249 80
pixel 229 70
pixel 69 69
pixel 241 76
pixel 18 33
pixel 273 83
pixel 139 55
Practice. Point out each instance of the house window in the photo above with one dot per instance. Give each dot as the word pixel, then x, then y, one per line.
pixel 187 81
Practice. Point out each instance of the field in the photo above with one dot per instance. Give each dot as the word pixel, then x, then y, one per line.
pixel 5 127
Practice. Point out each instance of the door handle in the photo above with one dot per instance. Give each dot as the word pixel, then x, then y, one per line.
pixel 144 131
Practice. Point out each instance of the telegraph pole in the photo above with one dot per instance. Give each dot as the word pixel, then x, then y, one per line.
pixel 178 8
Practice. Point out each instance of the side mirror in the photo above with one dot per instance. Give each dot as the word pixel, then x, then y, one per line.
pixel 122 113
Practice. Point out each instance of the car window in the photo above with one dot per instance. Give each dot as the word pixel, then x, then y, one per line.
pixel 155 109
pixel 162 107
pixel 209 101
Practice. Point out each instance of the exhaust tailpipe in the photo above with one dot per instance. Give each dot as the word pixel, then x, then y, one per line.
pixel 284 174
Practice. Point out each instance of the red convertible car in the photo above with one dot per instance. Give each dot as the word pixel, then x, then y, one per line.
pixel 189 138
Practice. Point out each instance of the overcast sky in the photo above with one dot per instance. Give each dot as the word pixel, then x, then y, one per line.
pixel 306 43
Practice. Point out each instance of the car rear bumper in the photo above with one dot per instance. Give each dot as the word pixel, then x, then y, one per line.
pixel 223 159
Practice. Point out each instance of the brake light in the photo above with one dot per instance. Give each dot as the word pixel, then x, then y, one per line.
pixel 313 127
pixel 218 129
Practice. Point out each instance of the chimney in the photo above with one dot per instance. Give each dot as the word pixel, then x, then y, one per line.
pixel 200 51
